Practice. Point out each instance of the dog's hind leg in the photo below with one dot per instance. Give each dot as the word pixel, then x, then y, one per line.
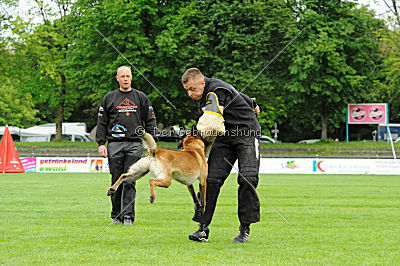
pixel 197 205
pixel 193 194
pixel 163 180
pixel 135 172
pixel 203 189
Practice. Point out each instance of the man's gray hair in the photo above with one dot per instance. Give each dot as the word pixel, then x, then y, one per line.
pixel 191 74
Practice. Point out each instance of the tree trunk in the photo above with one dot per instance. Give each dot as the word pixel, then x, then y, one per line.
pixel 324 126
pixel 60 110
pixel 59 120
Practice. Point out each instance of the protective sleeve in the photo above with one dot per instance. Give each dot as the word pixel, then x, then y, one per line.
pixel 211 123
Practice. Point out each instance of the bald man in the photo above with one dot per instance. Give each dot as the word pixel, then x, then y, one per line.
pixel 121 115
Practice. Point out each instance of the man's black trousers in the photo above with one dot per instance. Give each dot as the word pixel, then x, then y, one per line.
pixel 224 153
pixel 121 155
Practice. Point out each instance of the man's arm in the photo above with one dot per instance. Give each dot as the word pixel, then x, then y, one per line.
pixel 224 96
pixel 101 131
pixel 249 101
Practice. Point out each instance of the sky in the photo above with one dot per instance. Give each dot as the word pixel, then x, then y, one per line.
pixel 378 5
pixel 26 6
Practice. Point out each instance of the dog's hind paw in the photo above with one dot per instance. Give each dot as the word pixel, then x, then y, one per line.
pixel 152 199
pixel 110 192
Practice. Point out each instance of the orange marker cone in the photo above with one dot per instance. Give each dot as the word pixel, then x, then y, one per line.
pixel 9 159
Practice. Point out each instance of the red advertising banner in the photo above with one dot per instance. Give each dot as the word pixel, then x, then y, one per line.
pixel 367 113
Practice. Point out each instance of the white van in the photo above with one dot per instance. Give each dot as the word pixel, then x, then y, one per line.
pixel 45 137
pixel 46 133
pixel 14 131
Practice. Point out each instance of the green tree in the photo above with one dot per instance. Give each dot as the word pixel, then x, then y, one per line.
pixel 98 27
pixel 389 91
pixel 229 40
pixel 16 107
pixel 333 64
pixel 234 41
pixel 46 46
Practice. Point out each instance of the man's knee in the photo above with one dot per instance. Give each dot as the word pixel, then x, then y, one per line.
pixel 250 177
pixel 128 185
pixel 217 176
pixel 215 181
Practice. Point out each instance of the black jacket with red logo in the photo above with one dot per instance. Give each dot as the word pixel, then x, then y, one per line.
pixel 122 114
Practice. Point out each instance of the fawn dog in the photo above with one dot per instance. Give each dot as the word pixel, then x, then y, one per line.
pixel 185 166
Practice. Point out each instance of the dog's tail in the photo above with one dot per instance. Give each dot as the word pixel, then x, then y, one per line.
pixel 149 143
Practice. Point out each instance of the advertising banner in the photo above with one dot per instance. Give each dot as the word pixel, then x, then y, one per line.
pixel 29 164
pixel 330 166
pixel 367 113
pixel 71 165
pixel 267 165
pixel 285 165
pixel 386 167
pixel 341 166
pixel 98 165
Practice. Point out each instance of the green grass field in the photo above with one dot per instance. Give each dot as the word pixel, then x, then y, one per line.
pixel 54 219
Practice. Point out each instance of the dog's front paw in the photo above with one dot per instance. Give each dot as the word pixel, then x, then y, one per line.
pixel 152 199
pixel 110 192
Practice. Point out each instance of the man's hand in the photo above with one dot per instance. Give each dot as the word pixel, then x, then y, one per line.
pixel 102 151
pixel 256 110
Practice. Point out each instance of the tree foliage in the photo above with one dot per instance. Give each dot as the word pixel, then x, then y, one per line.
pixel 388 91
pixel 16 106
pixel 333 63
pixel 46 47
pixel 227 40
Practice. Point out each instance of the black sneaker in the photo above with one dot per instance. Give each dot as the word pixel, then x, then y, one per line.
pixel 127 220
pixel 201 235
pixel 244 234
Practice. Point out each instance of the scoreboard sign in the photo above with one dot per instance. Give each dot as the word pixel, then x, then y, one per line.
pixel 367 113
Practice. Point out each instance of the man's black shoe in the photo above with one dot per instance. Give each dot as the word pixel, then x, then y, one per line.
pixel 244 234
pixel 201 235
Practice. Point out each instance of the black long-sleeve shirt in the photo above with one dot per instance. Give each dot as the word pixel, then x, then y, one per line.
pixel 122 114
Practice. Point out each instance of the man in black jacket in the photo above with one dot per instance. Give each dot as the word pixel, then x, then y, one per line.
pixel 240 142
pixel 122 115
